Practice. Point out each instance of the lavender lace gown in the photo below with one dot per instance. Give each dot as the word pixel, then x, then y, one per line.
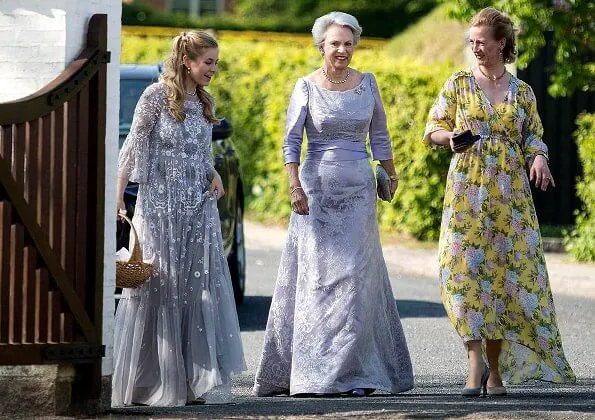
pixel 177 336
pixel 333 324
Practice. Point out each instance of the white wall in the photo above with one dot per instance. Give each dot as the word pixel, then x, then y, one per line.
pixel 38 39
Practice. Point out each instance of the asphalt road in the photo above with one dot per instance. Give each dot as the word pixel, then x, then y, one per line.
pixel 438 360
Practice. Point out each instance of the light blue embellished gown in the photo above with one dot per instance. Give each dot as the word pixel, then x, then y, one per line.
pixel 333 325
pixel 177 336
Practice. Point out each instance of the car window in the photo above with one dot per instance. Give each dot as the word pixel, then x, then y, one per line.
pixel 130 91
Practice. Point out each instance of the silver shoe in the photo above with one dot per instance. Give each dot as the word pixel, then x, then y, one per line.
pixel 357 392
pixel 476 392
pixel 496 391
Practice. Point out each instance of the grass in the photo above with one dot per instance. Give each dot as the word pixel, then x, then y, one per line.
pixel 435 38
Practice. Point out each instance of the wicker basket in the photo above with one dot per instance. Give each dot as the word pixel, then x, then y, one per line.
pixel 135 271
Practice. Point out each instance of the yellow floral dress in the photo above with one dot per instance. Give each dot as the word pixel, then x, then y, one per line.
pixel 493 278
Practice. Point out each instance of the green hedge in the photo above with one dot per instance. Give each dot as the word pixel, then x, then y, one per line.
pixel 580 242
pixel 253 88
pixel 381 19
pixel 137 14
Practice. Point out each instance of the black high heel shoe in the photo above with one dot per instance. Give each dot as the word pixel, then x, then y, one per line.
pixel 476 392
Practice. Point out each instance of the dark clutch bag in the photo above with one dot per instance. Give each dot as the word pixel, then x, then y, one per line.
pixel 463 140
pixel 383 184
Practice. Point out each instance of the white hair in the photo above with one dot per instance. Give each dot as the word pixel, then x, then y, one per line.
pixel 335 18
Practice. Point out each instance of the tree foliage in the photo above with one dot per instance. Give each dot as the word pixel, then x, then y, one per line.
pixel 580 242
pixel 381 18
pixel 572 24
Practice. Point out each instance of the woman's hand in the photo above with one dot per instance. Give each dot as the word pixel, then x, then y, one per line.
pixel 540 173
pixel 452 144
pixel 120 208
pixel 389 167
pixel 394 184
pixel 216 189
pixel 299 201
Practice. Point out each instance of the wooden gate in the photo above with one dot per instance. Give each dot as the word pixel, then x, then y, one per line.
pixel 51 219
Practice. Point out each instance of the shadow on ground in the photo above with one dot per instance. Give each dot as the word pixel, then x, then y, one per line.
pixel 426 401
pixel 254 311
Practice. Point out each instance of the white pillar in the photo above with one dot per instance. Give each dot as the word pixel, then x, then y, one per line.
pixel 39 39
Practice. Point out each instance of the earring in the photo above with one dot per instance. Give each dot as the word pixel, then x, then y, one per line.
pixel 188 70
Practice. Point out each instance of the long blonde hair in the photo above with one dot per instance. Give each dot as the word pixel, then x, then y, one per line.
pixel 192 44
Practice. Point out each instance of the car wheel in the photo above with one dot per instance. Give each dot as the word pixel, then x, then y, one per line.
pixel 237 257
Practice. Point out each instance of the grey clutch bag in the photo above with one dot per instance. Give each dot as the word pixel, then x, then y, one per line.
pixel 383 184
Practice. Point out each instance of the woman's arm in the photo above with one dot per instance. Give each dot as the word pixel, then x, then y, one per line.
pixel 440 126
pixel 389 167
pixel 299 200
pixel 120 188
pixel 534 149
pixel 441 137
pixel 379 137
pixel 134 155
pixel 292 145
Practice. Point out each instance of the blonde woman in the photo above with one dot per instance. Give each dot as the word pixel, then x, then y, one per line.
pixel 493 276
pixel 177 337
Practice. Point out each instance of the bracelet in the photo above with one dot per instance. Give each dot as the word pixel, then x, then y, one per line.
pixel 294 189
pixel 394 177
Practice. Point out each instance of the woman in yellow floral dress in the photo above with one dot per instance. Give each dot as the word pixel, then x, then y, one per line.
pixel 493 277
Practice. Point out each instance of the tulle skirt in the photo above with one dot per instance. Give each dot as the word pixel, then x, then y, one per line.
pixel 177 336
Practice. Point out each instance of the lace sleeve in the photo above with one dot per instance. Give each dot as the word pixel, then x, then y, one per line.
pixel 294 125
pixel 134 156
pixel 379 139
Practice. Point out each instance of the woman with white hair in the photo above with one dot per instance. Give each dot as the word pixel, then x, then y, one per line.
pixel 333 326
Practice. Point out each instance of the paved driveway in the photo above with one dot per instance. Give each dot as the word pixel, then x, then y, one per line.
pixel 437 353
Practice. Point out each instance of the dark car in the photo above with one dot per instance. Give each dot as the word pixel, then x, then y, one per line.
pixel 133 81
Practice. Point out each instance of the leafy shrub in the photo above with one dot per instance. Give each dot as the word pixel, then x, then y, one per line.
pixel 253 88
pixel 580 242
pixel 138 14
pixel 285 38
pixel 379 18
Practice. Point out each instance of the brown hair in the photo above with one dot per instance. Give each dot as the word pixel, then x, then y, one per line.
pixel 192 44
pixel 502 27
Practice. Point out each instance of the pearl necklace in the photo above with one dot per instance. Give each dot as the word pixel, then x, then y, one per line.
pixel 335 82
pixel 494 77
